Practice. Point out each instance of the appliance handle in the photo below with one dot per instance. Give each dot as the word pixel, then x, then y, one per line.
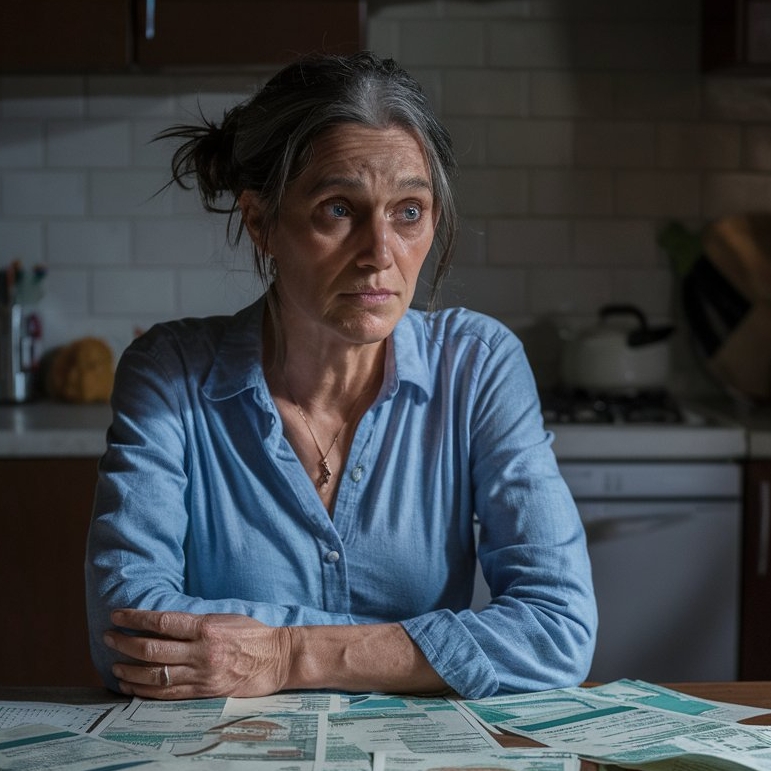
pixel 764 527
pixel 614 528
pixel 149 19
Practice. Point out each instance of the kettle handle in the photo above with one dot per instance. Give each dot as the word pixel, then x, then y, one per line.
pixel 624 310
pixel 643 335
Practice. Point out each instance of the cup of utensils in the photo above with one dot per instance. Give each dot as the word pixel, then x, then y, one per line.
pixel 20 330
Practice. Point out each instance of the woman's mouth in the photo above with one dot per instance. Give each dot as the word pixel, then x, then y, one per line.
pixel 371 296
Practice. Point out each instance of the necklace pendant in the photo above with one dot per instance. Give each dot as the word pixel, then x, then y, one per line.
pixel 326 473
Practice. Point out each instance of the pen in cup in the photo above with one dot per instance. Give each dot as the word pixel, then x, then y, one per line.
pixel 20 330
pixel 23 287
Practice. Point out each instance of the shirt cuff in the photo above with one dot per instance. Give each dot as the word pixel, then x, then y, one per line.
pixel 453 653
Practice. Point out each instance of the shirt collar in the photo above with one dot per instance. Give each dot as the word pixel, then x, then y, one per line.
pixel 407 356
pixel 237 364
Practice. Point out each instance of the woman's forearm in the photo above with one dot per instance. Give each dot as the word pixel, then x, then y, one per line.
pixel 173 655
pixel 370 657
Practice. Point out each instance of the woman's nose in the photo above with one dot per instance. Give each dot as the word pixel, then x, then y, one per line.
pixel 376 247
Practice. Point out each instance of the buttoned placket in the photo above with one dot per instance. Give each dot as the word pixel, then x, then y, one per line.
pixel 328 532
pixel 346 517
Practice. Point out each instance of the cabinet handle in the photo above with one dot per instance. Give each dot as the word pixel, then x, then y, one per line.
pixel 764 527
pixel 149 19
pixel 616 528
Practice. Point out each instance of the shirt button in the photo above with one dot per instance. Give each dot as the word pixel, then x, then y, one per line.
pixel 332 556
pixel 357 473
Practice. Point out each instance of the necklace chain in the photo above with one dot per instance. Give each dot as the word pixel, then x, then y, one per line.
pixel 325 470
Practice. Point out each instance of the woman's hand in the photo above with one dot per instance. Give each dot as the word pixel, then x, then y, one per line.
pixel 172 655
pixel 175 655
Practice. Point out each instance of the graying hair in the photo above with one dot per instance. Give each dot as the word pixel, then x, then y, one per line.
pixel 265 142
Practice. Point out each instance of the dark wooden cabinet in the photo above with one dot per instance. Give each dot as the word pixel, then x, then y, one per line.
pixel 63 36
pixel 185 33
pixel 755 649
pixel 736 36
pixel 45 509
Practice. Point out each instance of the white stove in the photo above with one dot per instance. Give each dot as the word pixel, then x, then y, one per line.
pixel 699 436
pixel 591 427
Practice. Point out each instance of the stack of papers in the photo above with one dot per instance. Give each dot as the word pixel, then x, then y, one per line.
pixel 628 723
pixel 635 725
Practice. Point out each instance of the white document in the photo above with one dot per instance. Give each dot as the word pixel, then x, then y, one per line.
pixel 627 723
pixel 293 701
pixel 289 740
pixel 495 760
pixel 403 724
pixel 80 718
pixel 626 734
pixel 36 747
pixel 171 726
pixel 307 732
pixel 658 697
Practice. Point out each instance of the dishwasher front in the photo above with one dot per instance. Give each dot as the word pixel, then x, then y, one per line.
pixel 665 544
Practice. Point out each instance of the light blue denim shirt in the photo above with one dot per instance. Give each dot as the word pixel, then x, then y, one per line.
pixel 203 506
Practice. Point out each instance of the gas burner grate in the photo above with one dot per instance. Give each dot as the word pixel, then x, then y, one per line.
pixel 587 407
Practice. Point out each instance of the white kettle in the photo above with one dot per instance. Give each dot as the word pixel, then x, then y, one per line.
pixel 621 353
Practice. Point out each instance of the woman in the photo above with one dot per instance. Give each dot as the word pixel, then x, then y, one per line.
pixel 287 497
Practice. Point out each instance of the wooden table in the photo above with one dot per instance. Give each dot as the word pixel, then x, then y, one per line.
pixel 754 693
pixel 60 694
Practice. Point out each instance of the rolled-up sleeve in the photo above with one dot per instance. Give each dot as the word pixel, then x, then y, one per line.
pixel 539 628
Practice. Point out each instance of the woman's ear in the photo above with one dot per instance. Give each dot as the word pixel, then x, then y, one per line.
pixel 251 213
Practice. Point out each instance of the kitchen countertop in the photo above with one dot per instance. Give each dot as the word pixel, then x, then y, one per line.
pixel 759 442
pixel 55 429
pixel 52 429
pixel 756 422
pixel 705 434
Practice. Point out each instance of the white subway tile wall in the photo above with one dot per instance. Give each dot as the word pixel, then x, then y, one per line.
pixel 582 127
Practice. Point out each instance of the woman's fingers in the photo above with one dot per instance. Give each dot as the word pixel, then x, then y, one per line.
pixel 166 623
pixel 152 650
pixel 155 677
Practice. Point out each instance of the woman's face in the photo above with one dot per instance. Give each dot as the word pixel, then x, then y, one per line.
pixel 353 232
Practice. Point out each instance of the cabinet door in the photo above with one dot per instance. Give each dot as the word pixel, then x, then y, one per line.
pixel 45 509
pixel 758 32
pixel 64 35
pixel 183 33
pixel 736 35
pixel 755 658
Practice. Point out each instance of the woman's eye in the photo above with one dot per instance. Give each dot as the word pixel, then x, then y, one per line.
pixel 412 213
